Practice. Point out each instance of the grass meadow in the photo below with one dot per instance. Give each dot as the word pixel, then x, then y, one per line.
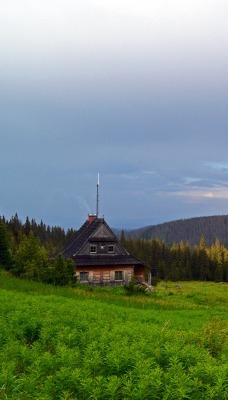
pixel 84 343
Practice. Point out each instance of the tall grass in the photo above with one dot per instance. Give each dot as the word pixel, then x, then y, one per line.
pixel 101 344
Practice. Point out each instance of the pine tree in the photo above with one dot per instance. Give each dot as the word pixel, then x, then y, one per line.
pixel 27 226
pixel 203 261
pixel 5 254
pixel 219 258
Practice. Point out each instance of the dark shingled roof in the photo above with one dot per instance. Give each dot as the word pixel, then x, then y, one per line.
pixel 97 232
pixel 106 260
pixel 82 235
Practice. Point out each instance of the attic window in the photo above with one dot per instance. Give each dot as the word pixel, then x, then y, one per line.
pixel 93 249
pixel 118 275
pixel 110 249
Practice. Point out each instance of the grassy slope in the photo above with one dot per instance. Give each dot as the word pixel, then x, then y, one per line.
pixel 100 344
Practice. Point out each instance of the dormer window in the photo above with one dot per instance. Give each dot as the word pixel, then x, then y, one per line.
pixel 111 249
pixel 93 249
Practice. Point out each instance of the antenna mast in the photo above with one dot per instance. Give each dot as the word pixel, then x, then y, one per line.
pixel 97 211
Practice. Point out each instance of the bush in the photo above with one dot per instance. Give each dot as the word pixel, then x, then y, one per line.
pixel 134 287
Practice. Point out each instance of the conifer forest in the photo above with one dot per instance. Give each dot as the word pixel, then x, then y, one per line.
pixel 26 250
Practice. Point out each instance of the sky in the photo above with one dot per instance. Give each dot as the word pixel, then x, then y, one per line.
pixel 134 90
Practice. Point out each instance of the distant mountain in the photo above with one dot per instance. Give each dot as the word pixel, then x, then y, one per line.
pixel 186 230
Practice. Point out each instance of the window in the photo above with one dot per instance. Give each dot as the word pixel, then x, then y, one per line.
pixel 93 249
pixel 110 249
pixel 118 275
pixel 84 276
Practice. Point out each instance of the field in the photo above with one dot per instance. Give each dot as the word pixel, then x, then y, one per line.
pixel 85 343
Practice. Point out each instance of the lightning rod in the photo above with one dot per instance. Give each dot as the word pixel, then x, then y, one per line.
pixel 97 211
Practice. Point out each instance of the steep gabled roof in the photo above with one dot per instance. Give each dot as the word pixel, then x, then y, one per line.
pixel 89 232
pixel 97 232
pixel 80 237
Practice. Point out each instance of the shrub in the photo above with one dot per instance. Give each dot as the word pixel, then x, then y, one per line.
pixel 134 287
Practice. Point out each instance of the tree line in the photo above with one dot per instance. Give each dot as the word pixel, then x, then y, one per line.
pixel 190 230
pixel 52 237
pixel 181 261
pixel 26 251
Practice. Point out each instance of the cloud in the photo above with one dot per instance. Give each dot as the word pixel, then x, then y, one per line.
pixel 135 90
pixel 136 42
pixel 149 172
pixel 216 193
pixel 219 166
pixel 190 181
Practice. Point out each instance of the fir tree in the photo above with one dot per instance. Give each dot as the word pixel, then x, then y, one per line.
pixel 5 254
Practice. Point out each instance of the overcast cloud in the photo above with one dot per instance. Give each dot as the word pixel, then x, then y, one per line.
pixel 134 90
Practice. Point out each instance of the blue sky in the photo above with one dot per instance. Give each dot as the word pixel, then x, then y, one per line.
pixel 137 91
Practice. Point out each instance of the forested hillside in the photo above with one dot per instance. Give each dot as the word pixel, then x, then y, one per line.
pixel 186 230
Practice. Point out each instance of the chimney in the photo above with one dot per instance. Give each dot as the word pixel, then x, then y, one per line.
pixel 91 217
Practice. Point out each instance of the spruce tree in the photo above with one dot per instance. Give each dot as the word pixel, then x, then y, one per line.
pixel 5 254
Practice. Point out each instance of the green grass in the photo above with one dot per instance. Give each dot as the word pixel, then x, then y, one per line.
pixel 62 343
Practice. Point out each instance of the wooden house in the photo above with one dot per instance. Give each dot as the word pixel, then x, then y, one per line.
pixel 100 258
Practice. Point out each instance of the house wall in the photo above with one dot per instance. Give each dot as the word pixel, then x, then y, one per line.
pixel 139 273
pixel 106 275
